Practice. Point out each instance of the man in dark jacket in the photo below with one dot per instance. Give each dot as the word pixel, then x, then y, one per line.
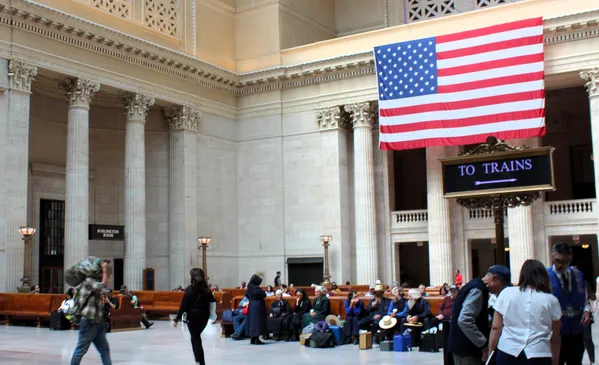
pixel 256 318
pixel 418 310
pixel 377 309
pixel 469 329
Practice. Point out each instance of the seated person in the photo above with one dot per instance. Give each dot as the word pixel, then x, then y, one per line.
pixel 68 302
pixel 178 289
pixel 214 288
pixel 335 288
pixel 377 308
pixel 446 307
pixel 110 303
pixel 243 285
pixel 321 308
pixel 144 318
pixel 269 291
pixel 370 293
pixel 285 291
pixel 279 309
pixel 397 309
pixel 291 289
pixel 418 311
pixel 354 308
pixel 422 290
pixel 294 321
pixel 239 316
pixel 36 289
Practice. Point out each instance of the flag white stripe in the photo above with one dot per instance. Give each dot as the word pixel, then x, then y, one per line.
pixel 463 131
pixel 490 38
pixel 463 95
pixel 491 56
pixel 471 112
pixel 491 74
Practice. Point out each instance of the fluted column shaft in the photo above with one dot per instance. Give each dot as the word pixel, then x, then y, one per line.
pixel 592 84
pixel 183 196
pixel 79 96
pixel 439 219
pixel 16 165
pixel 136 109
pixel 335 179
pixel 521 232
pixel 363 119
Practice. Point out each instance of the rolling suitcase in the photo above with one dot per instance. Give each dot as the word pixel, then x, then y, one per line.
pixel 58 322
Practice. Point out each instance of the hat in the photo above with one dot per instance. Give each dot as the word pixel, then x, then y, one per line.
pixel 278 292
pixel 333 320
pixel 453 287
pixel 372 286
pixel 502 272
pixel 379 287
pixel 387 322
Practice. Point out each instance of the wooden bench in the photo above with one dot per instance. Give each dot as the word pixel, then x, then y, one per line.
pixel 27 307
pixel 124 316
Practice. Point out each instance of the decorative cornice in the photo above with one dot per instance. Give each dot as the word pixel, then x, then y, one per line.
pixel 137 105
pixel 182 118
pixel 592 81
pixel 80 92
pixel 21 75
pixel 363 115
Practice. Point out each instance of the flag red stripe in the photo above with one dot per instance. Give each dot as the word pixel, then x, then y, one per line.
pixel 514 79
pixel 463 122
pixel 463 104
pixel 456 141
pixel 489 65
pixel 490 30
pixel 497 46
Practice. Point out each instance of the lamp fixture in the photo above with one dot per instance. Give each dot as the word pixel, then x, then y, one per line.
pixel 26 231
pixel 204 241
pixel 507 249
pixel 585 246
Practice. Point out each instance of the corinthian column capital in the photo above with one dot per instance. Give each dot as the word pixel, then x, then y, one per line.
pixel 80 92
pixel 363 114
pixel 137 105
pixel 592 81
pixel 21 75
pixel 183 118
pixel 332 118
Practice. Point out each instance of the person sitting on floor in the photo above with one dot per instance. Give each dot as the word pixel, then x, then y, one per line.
pixel 418 311
pixel 354 308
pixel 376 309
pixel 239 317
pixel 321 308
pixel 279 309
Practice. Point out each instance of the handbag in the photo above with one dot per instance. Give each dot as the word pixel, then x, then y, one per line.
pixel 227 316
pixel 322 340
pixel 428 343
pixel 276 311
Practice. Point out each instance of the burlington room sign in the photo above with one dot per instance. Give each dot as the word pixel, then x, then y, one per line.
pixel 504 172
pixel 106 233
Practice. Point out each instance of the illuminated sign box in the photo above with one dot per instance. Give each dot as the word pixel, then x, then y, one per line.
pixel 498 173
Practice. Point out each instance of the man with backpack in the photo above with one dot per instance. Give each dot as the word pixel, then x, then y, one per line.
pixel 90 278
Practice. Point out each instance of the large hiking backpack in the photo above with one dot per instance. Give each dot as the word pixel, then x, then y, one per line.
pixel 75 276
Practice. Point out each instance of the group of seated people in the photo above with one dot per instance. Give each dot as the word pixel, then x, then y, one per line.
pixel 383 316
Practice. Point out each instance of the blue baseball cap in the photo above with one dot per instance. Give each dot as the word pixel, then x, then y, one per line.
pixel 501 271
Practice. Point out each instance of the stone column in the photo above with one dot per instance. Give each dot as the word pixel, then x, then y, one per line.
pixel 363 117
pixel 592 84
pixel 76 231
pixel 183 125
pixel 16 167
pixel 439 218
pixel 520 223
pixel 335 179
pixel 136 110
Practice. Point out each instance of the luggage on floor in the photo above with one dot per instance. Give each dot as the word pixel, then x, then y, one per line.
pixel 365 340
pixel 322 340
pixel 386 346
pixel 58 321
pixel 337 334
pixel 428 343
pixel 402 343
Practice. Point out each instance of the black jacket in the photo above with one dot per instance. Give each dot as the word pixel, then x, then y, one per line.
pixel 256 318
pixel 380 309
pixel 279 308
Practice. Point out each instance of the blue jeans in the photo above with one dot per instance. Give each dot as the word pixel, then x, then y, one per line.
pixel 91 332
pixel 239 324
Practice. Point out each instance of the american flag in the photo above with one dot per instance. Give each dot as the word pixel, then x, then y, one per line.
pixel 461 88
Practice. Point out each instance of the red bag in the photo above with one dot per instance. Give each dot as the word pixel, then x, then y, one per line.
pixel 244 311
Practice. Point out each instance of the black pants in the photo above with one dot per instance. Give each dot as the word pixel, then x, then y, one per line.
pixel 351 327
pixel 572 349
pixel 196 327
pixel 588 342
pixel 505 359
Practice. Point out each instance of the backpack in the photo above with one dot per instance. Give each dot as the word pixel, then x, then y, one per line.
pixel 75 276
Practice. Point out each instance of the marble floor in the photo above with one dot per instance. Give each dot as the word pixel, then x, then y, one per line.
pixel 163 344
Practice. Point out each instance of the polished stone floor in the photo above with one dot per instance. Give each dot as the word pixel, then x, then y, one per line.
pixel 163 344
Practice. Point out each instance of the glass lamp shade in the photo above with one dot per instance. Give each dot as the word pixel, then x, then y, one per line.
pixel 585 246
pixel 204 241
pixel 26 231
pixel 326 238
pixel 507 249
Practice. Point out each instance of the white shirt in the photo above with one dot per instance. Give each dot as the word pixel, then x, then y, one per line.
pixel 66 304
pixel 527 321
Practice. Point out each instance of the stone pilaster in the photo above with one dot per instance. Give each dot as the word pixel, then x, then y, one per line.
pixel 333 122
pixel 183 123
pixel 79 96
pixel 363 118
pixel 521 233
pixel 136 110
pixel 592 84
pixel 384 184
pixel 16 166
pixel 439 218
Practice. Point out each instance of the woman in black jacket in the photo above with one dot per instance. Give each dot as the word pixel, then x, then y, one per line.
pixel 279 310
pixel 294 322
pixel 256 318
pixel 197 304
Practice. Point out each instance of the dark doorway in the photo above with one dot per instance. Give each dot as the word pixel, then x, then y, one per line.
pixel 51 247
pixel 582 258
pixel 414 263
pixel 305 271
pixel 117 273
